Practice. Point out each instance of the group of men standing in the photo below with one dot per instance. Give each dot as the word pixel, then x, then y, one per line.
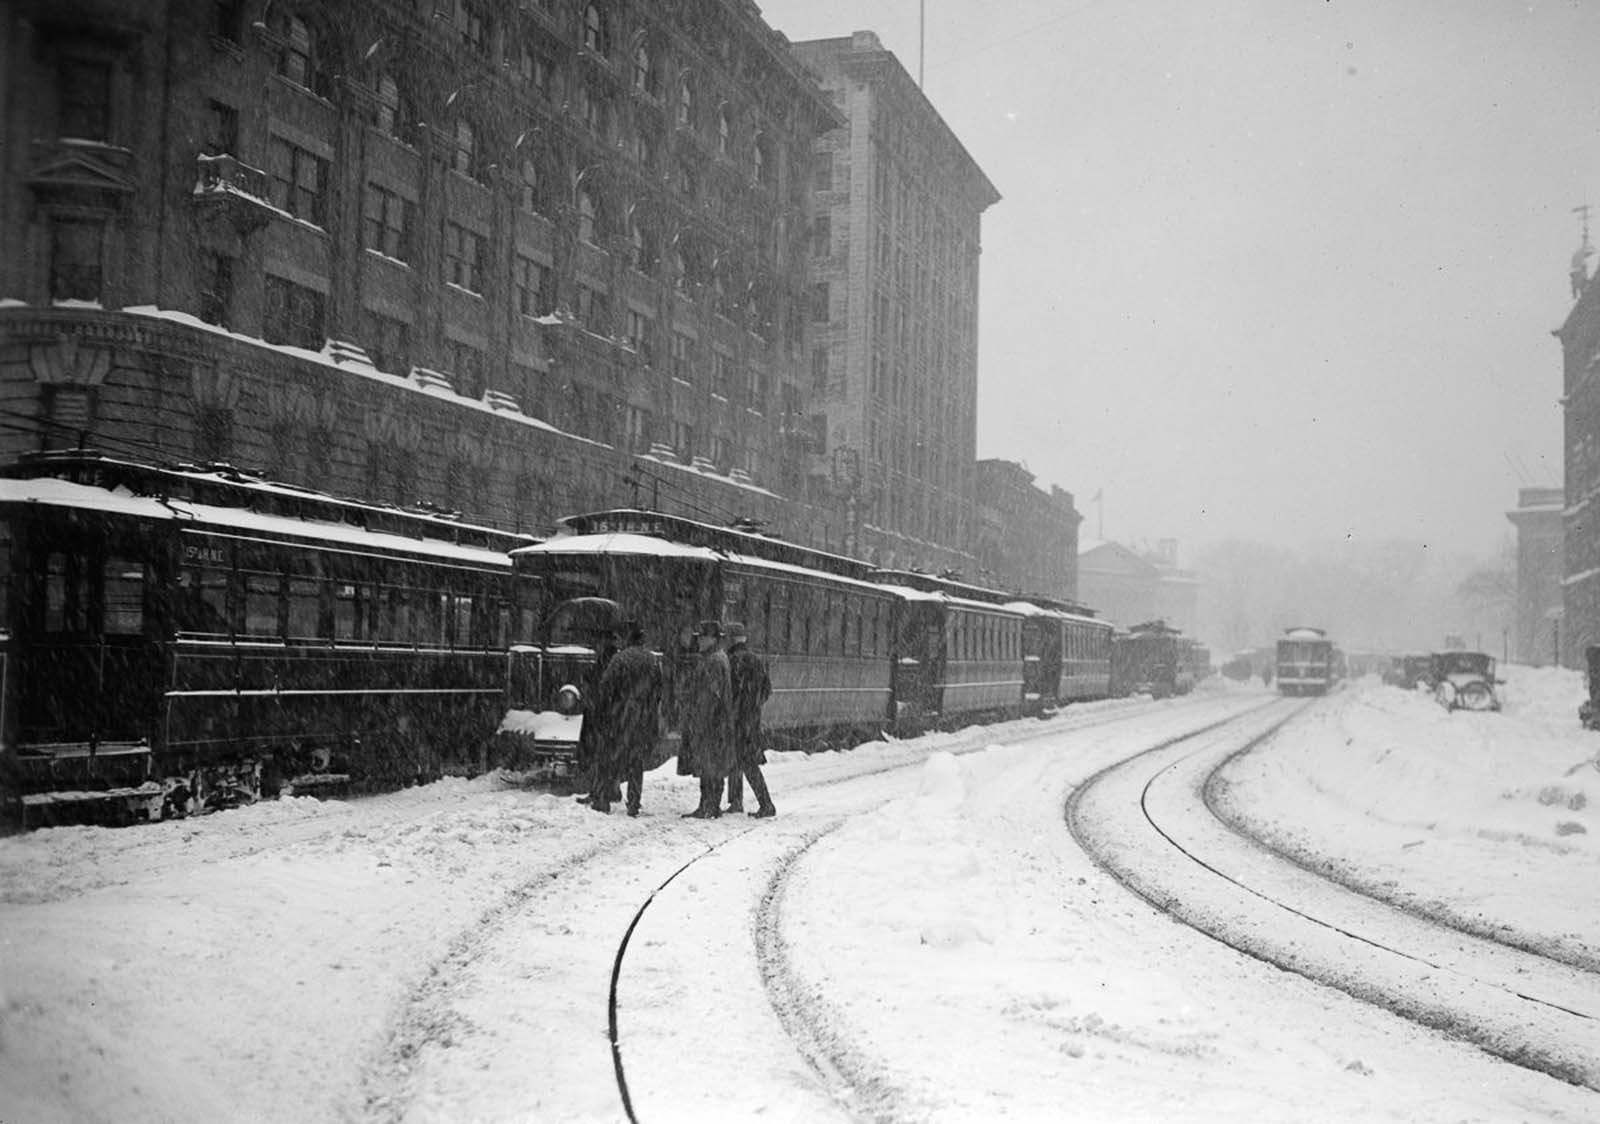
pixel 720 721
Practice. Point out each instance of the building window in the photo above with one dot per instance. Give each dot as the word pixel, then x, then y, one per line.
pixel 762 161
pixel 297 58
pixel 221 130
pixel 819 370
pixel 388 342
pixel 299 180
pixel 641 329
pixel 588 217
pixel 530 193
pixel 756 388
pixel 227 17
pixel 466 363
pixel 69 413
pixel 84 88
pixel 721 382
pixel 724 133
pixel 682 347
pixel 473 25
pixel 822 172
pixel 216 288
pixel 294 314
pixel 395 116
pixel 688 183
pixel 819 302
pixel 644 248
pixel 386 224
pixel 685 116
pixel 646 74
pixel 467 155
pixel 683 440
pixel 213 434
pixel 535 287
pixel 821 236
pixel 594 309
pixel 463 257
pixel 596 110
pixel 75 272
pixel 596 33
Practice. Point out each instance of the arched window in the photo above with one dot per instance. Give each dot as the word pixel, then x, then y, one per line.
pixel 298 51
pixel 395 116
pixel 685 104
pixel 468 156
pixel 588 216
pixel 530 192
pixel 644 70
pixel 595 32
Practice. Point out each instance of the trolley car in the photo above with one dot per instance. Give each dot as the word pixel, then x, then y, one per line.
pixel 1307 663
pixel 181 639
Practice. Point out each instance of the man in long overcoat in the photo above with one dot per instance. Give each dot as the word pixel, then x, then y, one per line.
pixel 752 686
pixel 704 719
pixel 629 699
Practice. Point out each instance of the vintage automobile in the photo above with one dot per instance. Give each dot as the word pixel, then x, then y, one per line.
pixel 1409 670
pixel 1589 710
pixel 1465 681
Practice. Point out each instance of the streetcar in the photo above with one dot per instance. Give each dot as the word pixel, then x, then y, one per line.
pixel 1308 663
pixel 181 639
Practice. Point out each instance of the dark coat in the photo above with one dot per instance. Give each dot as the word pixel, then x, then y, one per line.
pixel 628 702
pixel 707 738
pixel 752 687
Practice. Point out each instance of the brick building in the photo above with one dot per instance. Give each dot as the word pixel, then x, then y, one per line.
pixel 894 291
pixel 512 260
pixel 1027 538
pixel 1579 337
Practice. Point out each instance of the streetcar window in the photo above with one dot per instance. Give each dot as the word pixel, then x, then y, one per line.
pixel 760 600
pixel 779 620
pixel 352 606
pixel 305 604
pixel 5 577
pixel 261 604
pixel 65 595
pixel 202 602
pixel 461 608
pixel 123 598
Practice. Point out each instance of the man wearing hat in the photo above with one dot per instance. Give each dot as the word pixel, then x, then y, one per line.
pixel 629 698
pixel 747 673
pixel 707 746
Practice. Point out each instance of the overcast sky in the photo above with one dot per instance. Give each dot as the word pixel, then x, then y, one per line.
pixel 1278 269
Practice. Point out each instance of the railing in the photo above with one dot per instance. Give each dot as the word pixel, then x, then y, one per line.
pixel 227 173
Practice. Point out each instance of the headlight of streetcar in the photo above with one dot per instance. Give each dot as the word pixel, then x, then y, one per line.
pixel 568 699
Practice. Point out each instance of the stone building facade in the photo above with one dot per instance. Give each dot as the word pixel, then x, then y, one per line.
pixel 509 260
pixel 1579 337
pixel 1538 611
pixel 894 291
pixel 1027 538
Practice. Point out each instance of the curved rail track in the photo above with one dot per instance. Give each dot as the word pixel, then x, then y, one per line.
pixel 1146 821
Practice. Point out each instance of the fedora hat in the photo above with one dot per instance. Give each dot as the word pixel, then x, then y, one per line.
pixel 710 628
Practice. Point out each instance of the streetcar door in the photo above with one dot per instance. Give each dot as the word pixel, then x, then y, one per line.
pixel 88 672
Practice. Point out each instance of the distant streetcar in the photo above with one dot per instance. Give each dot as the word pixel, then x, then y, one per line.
pixel 1308 662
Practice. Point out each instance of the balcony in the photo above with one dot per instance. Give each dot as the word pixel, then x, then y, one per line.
pixel 231 189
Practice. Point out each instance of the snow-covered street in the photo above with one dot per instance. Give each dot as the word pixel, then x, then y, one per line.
pixel 917 936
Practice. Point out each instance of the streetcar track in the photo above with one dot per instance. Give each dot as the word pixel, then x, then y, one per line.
pixel 425 1015
pixel 1437 1016
pixel 1332 873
